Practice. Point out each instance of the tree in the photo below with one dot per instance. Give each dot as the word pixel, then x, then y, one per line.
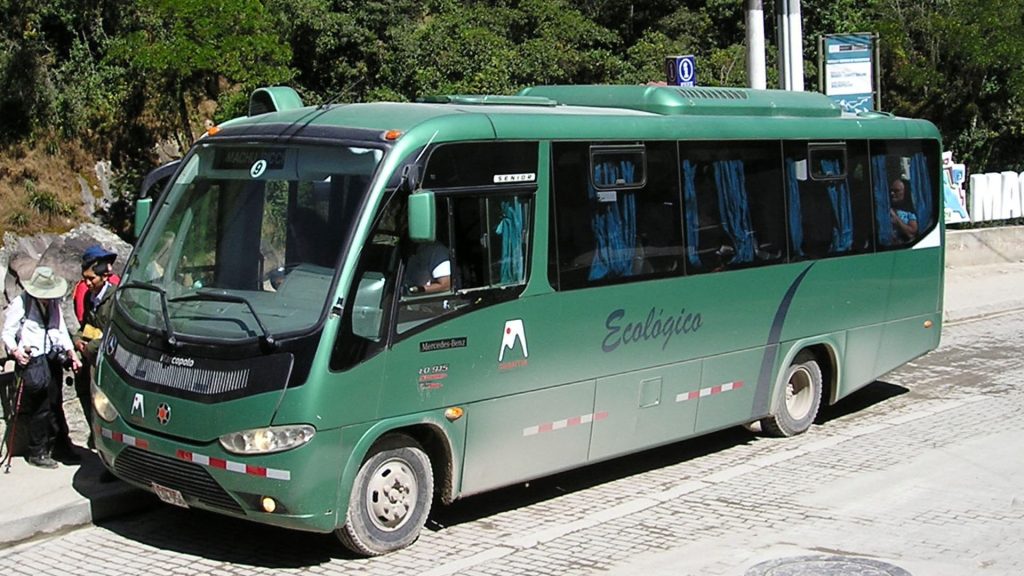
pixel 184 50
pixel 957 63
pixel 26 96
pixel 480 47
pixel 339 46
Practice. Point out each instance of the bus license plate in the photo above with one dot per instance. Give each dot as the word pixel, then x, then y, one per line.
pixel 169 495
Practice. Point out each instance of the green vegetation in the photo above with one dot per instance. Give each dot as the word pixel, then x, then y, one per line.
pixel 117 78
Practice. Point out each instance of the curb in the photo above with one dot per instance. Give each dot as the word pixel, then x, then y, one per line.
pixel 91 500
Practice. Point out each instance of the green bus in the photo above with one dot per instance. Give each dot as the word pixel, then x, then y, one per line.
pixel 335 315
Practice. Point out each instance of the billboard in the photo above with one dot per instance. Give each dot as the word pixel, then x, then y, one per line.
pixel 847 64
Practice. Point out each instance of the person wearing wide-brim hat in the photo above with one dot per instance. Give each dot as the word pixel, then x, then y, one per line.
pixel 34 333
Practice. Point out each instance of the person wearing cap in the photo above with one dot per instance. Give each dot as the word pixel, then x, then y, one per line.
pixel 34 332
pixel 93 297
pixel 92 255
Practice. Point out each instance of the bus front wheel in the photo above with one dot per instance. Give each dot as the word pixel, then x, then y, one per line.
pixel 800 398
pixel 390 499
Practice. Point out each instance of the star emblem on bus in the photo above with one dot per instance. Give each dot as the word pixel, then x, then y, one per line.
pixel 163 413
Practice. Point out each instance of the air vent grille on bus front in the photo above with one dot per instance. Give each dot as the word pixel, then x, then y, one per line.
pixel 185 378
pixel 194 483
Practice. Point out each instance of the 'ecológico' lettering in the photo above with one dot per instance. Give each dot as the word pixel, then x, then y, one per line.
pixel 655 326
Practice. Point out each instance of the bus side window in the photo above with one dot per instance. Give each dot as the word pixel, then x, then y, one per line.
pixel 427 284
pixel 709 247
pixel 734 208
pixel 363 331
pixel 858 176
pixel 482 247
pixel 491 249
pixel 829 202
pixel 617 213
pixel 904 188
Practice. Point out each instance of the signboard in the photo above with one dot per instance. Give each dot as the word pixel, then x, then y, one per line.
pixel 953 176
pixel 848 75
pixel 681 70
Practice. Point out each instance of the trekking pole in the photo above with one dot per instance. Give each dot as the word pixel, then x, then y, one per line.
pixel 13 428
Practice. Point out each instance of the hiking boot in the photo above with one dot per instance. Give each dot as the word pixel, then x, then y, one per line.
pixel 43 461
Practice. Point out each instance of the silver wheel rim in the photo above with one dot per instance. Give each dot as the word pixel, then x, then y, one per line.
pixel 799 393
pixel 391 494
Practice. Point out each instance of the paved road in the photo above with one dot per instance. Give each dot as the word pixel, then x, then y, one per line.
pixel 920 471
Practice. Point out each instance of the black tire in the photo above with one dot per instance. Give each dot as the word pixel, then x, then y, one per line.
pixel 800 398
pixel 390 500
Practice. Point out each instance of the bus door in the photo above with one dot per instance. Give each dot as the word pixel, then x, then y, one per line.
pixel 461 335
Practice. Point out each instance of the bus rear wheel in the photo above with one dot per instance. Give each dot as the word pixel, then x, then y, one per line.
pixel 800 398
pixel 390 499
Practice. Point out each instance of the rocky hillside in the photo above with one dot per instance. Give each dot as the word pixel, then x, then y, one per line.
pixel 19 256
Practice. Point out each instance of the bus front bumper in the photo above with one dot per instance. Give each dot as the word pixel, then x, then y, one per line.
pixel 287 489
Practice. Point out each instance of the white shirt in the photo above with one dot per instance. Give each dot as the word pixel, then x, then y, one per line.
pixel 32 334
pixel 441 270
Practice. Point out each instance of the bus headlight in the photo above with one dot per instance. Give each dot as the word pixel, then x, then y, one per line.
pixel 267 440
pixel 102 405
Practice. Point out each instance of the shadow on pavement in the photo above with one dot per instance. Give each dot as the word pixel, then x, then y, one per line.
pixel 476 507
pixel 226 539
pixel 542 489
pixel 108 497
pixel 874 393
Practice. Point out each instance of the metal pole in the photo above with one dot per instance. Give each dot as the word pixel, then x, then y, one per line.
pixel 791 58
pixel 13 427
pixel 756 74
pixel 875 63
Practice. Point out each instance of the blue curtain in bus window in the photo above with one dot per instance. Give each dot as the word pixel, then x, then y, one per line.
pixel 614 222
pixel 510 228
pixel 921 191
pixel 690 212
pixel 880 186
pixel 839 194
pixel 796 225
pixel 732 205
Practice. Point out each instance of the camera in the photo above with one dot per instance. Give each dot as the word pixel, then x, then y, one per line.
pixel 59 355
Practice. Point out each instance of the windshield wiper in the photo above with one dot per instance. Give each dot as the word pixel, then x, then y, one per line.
pixel 169 335
pixel 220 296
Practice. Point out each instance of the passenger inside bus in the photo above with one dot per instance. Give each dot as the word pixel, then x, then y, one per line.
pixel 902 186
pixel 428 270
pixel 901 213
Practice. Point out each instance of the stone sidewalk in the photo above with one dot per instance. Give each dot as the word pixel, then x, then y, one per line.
pixel 39 501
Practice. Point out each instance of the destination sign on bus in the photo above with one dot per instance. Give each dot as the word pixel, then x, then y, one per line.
pixel 244 158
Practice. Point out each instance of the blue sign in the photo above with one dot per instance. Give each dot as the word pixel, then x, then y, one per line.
pixel 849 78
pixel 681 70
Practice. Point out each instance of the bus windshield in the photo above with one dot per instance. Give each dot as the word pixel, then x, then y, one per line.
pixel 246 240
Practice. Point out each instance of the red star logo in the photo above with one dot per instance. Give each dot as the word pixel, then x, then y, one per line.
pixel 163 413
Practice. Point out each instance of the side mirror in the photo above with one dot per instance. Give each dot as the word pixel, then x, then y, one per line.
pixel 142 209
pixel 422 216
pixel 144 205
pixel 368 309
